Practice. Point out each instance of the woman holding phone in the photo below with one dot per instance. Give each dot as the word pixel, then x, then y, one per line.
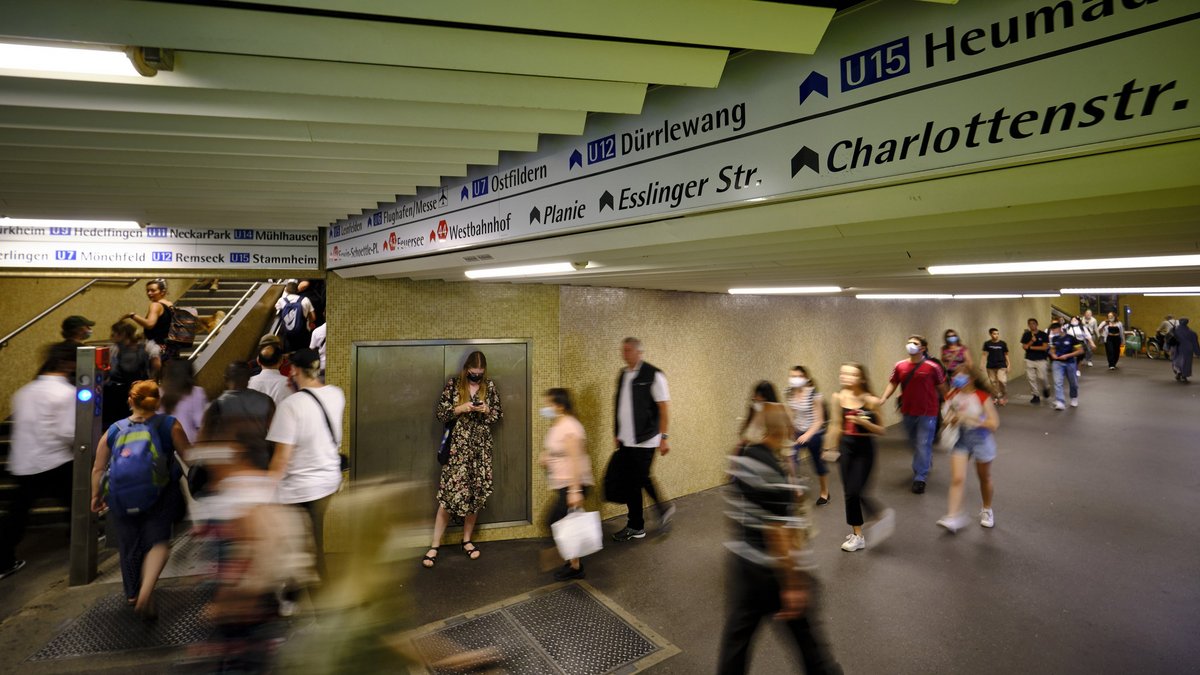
pixel 852 431
pixel 471 403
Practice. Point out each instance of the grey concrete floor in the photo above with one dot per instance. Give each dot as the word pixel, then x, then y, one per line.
pixel 1092 567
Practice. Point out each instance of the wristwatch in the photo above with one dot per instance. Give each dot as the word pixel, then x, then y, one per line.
pixel 666 436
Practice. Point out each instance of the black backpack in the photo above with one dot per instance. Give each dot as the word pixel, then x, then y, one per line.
pixel 130 364
pixel 295 324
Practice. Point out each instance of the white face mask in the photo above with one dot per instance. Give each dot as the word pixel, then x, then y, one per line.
pixel 797 382
pixel 757 405
pixel 548 412
pixel 913 349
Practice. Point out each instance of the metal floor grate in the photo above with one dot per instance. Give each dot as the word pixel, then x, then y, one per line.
pixel 189 558
pixel 111 626
pixel 570 630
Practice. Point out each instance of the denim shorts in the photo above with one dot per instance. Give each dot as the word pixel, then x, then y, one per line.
pixel 977 443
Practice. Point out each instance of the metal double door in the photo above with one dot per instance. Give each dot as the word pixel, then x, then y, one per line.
pixel 397 386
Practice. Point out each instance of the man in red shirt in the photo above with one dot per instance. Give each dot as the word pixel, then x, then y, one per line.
pixel 922 381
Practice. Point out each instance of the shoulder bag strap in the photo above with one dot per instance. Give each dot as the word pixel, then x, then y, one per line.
pixel 912 373
pixel 325 414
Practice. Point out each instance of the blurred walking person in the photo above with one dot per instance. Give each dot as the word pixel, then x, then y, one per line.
pixel 1186 348
pixel 921 381
pixel 40 457
pixel 852 430
pixel 971 407
pixel 954 352
pixel 156 324
pixel 568 467
pixel 182 398
pixel 1064 350
pixel 807 406
pixel 770 571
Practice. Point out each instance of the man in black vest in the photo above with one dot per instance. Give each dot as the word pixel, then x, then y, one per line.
pixel 641 408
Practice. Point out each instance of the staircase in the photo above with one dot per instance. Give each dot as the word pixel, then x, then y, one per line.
pixel 208 303
pixel 44 511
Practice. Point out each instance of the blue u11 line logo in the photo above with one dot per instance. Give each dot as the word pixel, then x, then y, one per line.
pixel 156 231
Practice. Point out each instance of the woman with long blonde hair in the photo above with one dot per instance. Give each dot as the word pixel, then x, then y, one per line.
pixel 855 424
pixel 471 403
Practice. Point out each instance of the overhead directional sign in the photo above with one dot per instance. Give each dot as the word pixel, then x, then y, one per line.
pixel 31 244
pixel 897 88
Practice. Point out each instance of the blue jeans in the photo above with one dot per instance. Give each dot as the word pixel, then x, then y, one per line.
pixel 921 430
pixel 1065 369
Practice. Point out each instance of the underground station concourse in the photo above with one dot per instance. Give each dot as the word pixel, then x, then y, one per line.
pixel 743 186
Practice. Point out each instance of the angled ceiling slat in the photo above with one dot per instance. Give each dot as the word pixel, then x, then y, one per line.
pixel 74 94
pixel 379 167
pixel 22 117
pixel 235 72
pixel 239 31
pixel 345 199
pixel 18 181
pixel 769 26
pixel 229 146
pixel 211 173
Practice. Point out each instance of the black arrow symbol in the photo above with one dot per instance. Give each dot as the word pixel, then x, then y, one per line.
pixel 806 157
pixel 535 215
pixel 815 83
pixel 606 199
pixel 576 160
pixel 462 196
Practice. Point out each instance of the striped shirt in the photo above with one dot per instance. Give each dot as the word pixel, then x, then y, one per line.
pixel 761 495
pixel 803 417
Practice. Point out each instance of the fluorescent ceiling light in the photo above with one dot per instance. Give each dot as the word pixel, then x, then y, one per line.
pixel 1130 291
pixel 987 296
pixel 1172 295
pixel 786 290
pixel 520 271
pixel 1103 264
pixel 88 61
pixel 1041 295
pixel 904 296
pixel 35 222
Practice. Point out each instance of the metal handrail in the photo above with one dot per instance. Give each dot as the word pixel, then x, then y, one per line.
pixel 217 328
pixel 82 289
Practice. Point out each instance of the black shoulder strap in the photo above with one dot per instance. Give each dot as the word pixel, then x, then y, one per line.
pixel 325 415
pixel 912 373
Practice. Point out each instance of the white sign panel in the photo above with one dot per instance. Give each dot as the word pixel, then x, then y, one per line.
pixel 57 244
pixel 897 88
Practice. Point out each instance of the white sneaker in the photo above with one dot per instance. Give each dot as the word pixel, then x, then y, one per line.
pixel 1078 374
pixel 882 528
pixel 854 542
pixel 987 518
pixel 953 523
pixel 1058 405
pixel 1074 403
pixel 1089 364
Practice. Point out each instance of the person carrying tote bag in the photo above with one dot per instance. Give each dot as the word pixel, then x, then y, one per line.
pixel 568 475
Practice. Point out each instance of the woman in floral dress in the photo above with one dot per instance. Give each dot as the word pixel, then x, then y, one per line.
pixel 469 401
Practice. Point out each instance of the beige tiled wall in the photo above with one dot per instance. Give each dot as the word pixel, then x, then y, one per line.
pixel 712 347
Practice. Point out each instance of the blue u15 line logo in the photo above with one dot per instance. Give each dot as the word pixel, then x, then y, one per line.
pixel 239 257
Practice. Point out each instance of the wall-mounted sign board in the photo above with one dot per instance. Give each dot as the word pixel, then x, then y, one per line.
pixel 29 245
pixel 895 88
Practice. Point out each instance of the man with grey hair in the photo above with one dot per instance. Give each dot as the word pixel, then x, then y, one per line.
pixel 640 424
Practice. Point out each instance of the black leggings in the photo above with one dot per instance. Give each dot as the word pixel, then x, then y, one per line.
pixel 559 509
pixel 856 460
pixel 1112 347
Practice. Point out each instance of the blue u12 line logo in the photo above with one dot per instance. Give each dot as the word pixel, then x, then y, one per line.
pixel 161 256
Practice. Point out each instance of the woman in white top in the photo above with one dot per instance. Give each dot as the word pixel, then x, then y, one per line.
pixel 1113 332
pixel 568 467
pixel 305 433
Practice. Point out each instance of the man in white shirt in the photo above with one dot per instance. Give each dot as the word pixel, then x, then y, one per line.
pixel 270 381
pixel 40 458
pixel 642 416
pixel 318 343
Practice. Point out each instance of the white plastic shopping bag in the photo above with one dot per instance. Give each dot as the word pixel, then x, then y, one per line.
pixel 578 534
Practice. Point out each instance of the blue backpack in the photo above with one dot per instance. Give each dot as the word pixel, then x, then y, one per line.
pixel 140 465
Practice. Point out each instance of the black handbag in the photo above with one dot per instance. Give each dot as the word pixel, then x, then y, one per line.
pixel 444 449
pixel 616 478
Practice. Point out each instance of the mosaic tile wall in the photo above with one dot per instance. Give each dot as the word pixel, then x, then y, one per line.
pixel 714 348
pixel 396 309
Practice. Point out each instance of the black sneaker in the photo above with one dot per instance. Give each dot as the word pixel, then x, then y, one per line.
pixel 16 567
pixel 1046 392
pixel 629 533
pixel 1035 400
pixel 566 573
pixel 822 501
pixel 918 487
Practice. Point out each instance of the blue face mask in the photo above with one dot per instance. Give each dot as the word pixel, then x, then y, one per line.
pixel 960 381
pixel 952 339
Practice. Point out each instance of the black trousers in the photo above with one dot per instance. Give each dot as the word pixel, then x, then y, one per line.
pixel 53 484
pixel 856 461
pixel 1112 349
pixel 754 596
pixel 639 462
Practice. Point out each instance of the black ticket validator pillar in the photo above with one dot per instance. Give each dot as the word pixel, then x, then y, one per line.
pixel 91 367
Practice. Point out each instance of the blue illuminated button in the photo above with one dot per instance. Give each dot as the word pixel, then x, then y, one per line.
pixel 84 395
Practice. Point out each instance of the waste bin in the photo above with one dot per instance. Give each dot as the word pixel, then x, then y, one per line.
pixel 1133 342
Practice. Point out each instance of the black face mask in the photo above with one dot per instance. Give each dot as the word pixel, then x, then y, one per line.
pixel 475 378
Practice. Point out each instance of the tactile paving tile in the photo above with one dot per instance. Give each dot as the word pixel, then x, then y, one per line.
pixel 565 631
pixel 111 626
